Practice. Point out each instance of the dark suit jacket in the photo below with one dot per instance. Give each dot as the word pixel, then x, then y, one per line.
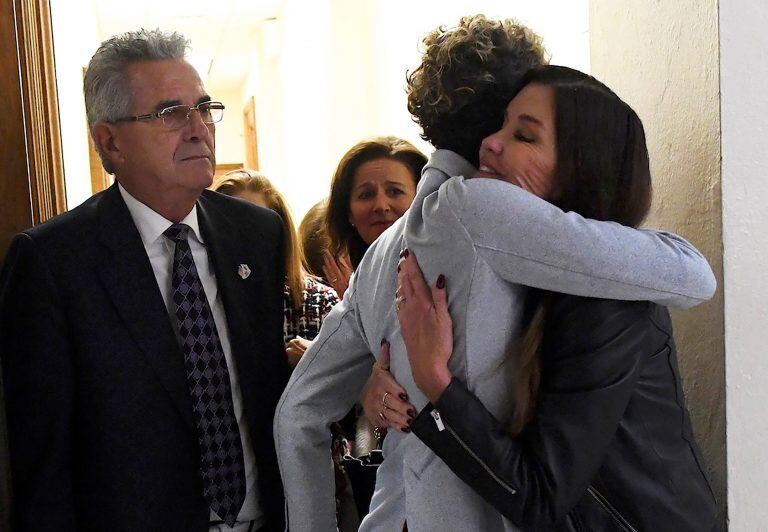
pixel 100 421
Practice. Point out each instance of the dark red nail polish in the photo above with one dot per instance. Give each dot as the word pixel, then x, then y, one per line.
pixel 406 429
pixel 411 412
pixel 440 281
pixel 403 396
pixel 383 341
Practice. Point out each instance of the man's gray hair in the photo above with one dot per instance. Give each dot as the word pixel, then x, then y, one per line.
pixel 107 94
pixel 106 87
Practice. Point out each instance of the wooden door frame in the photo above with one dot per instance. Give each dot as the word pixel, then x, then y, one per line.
pixel 32 164
pixel 251 138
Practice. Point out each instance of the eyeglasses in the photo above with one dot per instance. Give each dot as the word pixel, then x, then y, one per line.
pixel 177 116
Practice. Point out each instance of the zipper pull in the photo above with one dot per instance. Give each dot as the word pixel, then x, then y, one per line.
pixel 438 420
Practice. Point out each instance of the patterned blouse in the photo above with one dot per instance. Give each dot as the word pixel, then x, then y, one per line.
pixel 318 301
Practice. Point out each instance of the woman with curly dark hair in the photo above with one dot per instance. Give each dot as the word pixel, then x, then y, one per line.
pixel 491 239
pixel 485 59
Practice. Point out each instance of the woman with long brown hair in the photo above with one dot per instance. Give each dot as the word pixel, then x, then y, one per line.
pixel 600 438
pixel 372 187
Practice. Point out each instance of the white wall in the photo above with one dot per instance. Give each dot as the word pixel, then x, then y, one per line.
pixel 75 39
pixel 230 144
pixel 744 108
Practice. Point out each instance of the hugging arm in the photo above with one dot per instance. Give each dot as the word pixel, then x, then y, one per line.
pixel 529 241
pixel 322 389
pixel 587 381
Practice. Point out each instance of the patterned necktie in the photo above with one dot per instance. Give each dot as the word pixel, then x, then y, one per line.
pixel 221 451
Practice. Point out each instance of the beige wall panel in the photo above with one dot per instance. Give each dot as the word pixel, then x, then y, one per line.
pixel 662 58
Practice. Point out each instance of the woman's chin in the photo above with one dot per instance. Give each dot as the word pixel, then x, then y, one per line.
pixel 377 230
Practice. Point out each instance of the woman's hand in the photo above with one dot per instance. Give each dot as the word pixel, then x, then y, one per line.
pixel 295 350
pixel 384 401
pixel 337 272
pixel 426 327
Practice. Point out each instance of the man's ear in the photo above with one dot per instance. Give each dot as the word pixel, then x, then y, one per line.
pixel 105 138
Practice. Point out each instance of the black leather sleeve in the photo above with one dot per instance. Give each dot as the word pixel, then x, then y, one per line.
pixel 590 364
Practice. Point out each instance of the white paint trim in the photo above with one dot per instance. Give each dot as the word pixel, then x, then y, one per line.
pixel 744 113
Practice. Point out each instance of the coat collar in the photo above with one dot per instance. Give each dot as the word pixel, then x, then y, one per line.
pixel 152 225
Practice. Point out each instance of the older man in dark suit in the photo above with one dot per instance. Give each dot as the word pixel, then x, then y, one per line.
pixel 141 333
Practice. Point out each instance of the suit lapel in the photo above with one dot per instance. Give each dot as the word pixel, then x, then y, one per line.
pixel 226 250
pixel 128 278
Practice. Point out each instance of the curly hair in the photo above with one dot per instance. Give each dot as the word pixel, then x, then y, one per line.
pixel 459 91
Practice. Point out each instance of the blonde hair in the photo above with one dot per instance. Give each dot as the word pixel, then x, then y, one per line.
pixel 235 182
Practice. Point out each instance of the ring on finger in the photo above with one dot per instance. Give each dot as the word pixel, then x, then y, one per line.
pixel 384 400
pixel 383 417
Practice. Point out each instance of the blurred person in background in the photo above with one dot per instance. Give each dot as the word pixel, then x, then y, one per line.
pixel 374 184
pixel 307 301
pixel 313 241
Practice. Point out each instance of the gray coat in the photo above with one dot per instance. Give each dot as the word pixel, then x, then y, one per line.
pixel 489 238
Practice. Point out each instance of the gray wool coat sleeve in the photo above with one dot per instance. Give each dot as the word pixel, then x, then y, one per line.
pixel 324 386
pixel 527 240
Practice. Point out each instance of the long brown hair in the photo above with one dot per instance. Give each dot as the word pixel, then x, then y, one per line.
pixel 343 237
pixel 602 172
pixel 237 181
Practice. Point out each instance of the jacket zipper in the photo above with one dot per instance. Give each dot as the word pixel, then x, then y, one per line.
pixel 441 426
pixel 613 512
pixel 438 420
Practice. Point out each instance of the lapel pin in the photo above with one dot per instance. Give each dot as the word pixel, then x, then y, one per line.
pixel 243 271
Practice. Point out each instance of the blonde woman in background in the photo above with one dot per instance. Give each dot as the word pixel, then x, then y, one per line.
pixel 307 301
